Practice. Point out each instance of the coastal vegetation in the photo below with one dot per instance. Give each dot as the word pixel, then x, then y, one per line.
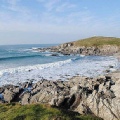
pixel 97 41
pixel 39 112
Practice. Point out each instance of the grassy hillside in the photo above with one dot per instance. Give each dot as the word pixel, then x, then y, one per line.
pixel 38 112
pixel 98 41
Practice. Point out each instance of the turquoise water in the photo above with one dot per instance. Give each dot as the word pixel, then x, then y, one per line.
pixel 22 55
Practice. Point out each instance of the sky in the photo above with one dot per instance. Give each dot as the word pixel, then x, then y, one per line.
pixel 57 21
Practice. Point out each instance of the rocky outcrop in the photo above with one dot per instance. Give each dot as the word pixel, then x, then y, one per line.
pixel 11 92
pixel 99 96
pixel 69 48
pixel 103 50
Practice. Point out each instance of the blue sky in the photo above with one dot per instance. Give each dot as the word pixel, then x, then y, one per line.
pixel 57 21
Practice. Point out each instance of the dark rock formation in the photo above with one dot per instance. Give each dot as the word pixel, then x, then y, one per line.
pixel 54 54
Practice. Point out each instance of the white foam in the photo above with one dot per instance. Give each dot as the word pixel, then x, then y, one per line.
pixel 35 48
pixel 47 55
pixel 58 70
pixel 82 55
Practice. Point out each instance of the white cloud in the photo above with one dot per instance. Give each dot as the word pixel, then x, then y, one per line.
pixel 63 7
pixel 12 11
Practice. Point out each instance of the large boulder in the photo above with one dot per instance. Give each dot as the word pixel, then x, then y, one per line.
pixel 8 95
pixel 25 98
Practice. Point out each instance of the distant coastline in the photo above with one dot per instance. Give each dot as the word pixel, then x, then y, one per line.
pixel 91 46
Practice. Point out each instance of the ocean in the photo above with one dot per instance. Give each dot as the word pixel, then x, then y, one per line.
pixel 20 63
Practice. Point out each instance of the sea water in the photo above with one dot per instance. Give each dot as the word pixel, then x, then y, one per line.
pixel 20 63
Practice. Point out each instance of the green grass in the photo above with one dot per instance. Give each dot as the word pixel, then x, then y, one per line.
pixel 38 112
pixel 98 41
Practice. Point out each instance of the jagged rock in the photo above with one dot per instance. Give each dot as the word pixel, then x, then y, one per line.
pixel 11 93
pixel 75 100
pixel 25 98
pixel 104 103
pixel 102 87
pixel 16 89
pixel 110 94
pixel 60 84
pixel 60 101
pixel 75 89
pixel 116 89
pixel 8 95
pixel 43 96
pixel 54 101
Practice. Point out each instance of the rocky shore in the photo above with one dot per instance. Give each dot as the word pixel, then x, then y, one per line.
pixel 99 46
pixel 70 48
pixel 99 96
